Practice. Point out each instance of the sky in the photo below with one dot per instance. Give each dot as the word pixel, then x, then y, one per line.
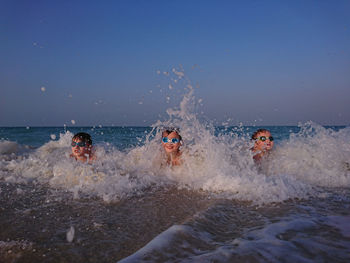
pixel 89 63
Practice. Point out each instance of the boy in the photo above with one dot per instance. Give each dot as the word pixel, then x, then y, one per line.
pixel 171 142
pixel 263 143
pixel 82 148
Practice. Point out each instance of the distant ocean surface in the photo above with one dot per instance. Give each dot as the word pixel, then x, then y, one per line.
pixel 217 207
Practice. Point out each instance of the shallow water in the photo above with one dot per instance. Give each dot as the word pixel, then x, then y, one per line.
pixel 170 225
pixel 104 232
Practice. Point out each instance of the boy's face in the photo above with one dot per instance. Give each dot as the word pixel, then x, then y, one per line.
pixel 170 147
pixel 80 148
pixel 263 141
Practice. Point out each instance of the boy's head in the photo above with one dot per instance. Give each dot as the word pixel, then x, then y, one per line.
pixel 171 140
pixel 83 136
pixel 263 140
pixel 81 145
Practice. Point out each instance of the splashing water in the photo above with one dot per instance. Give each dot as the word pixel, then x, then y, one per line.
pixel 220 163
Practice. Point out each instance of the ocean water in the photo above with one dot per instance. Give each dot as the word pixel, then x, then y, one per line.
pixel 219 206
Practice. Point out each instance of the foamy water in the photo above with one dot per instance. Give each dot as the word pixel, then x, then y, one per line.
pixel 299 167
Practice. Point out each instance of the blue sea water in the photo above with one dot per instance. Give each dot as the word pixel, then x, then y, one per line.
pixel 121 137
pixel 126 137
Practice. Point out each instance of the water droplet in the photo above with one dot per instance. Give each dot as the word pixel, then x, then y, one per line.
pixel 70 234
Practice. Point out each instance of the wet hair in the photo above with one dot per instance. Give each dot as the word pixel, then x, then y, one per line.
pixel 170 130
pixel 83 136
pixel 255 134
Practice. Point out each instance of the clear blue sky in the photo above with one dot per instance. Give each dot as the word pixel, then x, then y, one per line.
pixel 257 62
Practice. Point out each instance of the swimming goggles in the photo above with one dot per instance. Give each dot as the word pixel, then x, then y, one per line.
pixel 264 138
pixel 80 144
pixel 167 140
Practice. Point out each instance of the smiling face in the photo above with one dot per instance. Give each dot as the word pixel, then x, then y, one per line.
pixel 170 147
pixel 80 149
pixel 263 142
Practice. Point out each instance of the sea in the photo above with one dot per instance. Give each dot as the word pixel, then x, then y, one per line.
pixel 218 206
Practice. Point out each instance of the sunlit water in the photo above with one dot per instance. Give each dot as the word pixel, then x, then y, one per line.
pixel 217 207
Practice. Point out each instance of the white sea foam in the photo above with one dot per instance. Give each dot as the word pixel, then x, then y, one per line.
pixel 292 238
pixel 315 155
pixel 217 164
pixel 162 240
pixel 266 242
